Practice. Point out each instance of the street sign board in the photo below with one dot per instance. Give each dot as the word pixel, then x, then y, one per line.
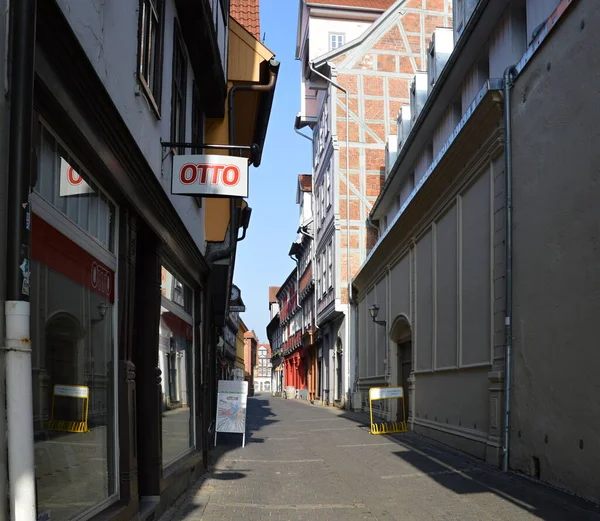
pixel 210 175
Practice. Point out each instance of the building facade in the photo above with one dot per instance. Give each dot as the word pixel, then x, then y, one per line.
pixel 357 62
pixel 302 252
pixel 455 292
pixel 240 367
pixel 250 343
pixel 121 287
pixel 227 347
pixel 263 369
pixel 274 335
pixel 290 318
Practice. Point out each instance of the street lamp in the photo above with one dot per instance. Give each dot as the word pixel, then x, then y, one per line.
pixel 374 310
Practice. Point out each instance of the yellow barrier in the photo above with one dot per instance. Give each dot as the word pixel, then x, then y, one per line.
pixel 80 392
pixel 387 393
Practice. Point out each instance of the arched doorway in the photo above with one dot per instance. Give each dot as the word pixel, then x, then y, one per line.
pixel 63 364
pixel 401 335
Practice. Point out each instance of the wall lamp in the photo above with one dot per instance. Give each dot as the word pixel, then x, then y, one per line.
pixel 102 309
pixel 374 311
pixel 246 212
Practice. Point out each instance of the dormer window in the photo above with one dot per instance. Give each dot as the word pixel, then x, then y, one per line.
pixel 336 40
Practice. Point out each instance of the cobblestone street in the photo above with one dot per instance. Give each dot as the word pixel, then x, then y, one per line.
pixel 304 462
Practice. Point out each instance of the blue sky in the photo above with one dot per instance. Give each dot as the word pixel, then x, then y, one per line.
pixel 262 258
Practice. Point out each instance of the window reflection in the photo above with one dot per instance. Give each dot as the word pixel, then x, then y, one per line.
pixel 176 364
pixel 72 329
pixel 64 184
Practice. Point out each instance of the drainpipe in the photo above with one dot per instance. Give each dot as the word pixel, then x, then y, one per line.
pixel 509 75
pixel 233 210
pixel 297 131
pixel 348 270
pixel 19 396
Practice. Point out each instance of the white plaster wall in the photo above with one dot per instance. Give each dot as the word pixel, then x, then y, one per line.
pixel 320 28
pixel 108 32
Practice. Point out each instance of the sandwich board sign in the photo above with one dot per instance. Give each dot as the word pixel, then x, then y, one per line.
pixel 210 175
pixel 232 399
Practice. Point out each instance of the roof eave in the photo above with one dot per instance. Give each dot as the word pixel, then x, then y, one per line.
pixel 476 32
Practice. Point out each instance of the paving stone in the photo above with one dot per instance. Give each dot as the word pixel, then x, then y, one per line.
pixel 306 462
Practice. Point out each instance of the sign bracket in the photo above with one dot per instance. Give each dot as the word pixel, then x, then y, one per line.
pixel 254 148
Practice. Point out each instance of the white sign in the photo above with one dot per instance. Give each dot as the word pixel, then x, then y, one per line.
pixel 73 391
pixel 232 399
pixel 382 393
pixel 210 175
pixel 71 183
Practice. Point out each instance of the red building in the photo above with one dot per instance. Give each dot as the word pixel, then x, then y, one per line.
pixel 290 317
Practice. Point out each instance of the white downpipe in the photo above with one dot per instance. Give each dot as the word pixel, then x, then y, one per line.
pixel 19 412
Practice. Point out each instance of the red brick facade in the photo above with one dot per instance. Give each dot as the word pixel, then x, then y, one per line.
pixel 378 83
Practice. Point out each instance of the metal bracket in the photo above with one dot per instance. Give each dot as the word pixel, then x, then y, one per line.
pixel 254 148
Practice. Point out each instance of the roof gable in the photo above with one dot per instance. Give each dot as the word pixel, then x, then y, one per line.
pixel 348 54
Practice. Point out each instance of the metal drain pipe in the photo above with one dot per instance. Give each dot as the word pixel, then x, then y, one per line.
pixel 509 75
pixel 19 397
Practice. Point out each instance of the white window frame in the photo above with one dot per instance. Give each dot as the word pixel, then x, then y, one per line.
pixel 328 187
pixel 322 202
pixel 336 40
pixel 330 263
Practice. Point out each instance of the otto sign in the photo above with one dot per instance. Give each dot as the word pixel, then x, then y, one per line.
pixel 71 183
pixel 210 175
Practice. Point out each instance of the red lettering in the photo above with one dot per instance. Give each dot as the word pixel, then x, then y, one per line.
pixel 218 169
pixel 231 175
pixel 101 279
pixel 188 174
pixel 203 173
pixel 73 177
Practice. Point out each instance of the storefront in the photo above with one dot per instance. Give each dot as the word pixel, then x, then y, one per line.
pixel 120 311
pixel 73 326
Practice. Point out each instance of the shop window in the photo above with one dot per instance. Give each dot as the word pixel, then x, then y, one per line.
pixel 73 325
pixel 176 362
pixel 66 186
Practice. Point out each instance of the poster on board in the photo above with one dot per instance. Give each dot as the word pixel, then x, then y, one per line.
pixel 232 399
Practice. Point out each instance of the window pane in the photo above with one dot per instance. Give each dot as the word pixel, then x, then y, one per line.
pixel 176 364
pixel 73 369
pixel 66 186
pixel 174 290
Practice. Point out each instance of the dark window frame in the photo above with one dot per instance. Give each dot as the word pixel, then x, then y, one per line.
pixel 150 58
pixel 197 119
pixel 178 88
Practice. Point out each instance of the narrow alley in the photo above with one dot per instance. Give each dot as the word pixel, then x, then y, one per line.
pixel 304 461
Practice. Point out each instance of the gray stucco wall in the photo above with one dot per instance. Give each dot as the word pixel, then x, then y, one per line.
pixel 556 400
pixel 447 296
pixel 108 32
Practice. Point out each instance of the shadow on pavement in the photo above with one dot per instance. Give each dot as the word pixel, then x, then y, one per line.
pixel 258 415
pixel 464 475
pixel 194 500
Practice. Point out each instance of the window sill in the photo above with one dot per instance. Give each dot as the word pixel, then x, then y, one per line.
pixel 144 90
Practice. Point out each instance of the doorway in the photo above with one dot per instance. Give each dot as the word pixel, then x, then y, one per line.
pixel 404 369
pixel 401 335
